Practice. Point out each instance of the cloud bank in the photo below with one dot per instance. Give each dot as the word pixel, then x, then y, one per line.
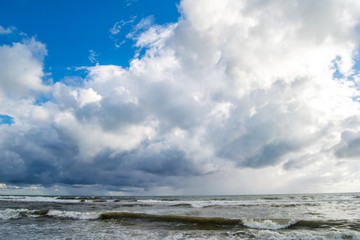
pixel 235 97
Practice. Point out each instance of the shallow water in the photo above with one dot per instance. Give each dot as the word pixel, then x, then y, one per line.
pixel 307 216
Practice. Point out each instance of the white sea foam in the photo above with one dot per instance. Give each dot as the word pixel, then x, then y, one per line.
pixel 12 213
pixel 333 235
pixel 195 203
pixel 74 215
pixel 18 213
pixel 37 199
pixel 211 203
pixel 268 224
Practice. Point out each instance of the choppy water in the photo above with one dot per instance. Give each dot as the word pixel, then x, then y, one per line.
pixel 308 216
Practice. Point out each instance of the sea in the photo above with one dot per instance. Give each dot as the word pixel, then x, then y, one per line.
pixel 290 216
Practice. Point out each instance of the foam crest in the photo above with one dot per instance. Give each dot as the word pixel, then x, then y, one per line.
pixel 194 204
pixel 37 199
pixel 11 213
pixel 18 213
pixel 268 224
pixel 266 201
pixel 74 215
pixel 331 235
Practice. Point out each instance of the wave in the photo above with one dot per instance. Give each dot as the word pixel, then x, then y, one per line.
pixel 74 214
pixel 170 218
pixel 63 199
pixel 198 203
pixel 305 235
pixel 268 224
pixel 251 223
pixel 265 202
pixel 271 201
pixel 271 198
pixel 18 213
pixel 39 199
pixel 186 205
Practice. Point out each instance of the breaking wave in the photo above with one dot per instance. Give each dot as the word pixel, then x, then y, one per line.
pixel 18 213
pixel 268 224
pixel 331 235
pixel 39 199
pixel 274 202
pixel 74 214
pixel 261 224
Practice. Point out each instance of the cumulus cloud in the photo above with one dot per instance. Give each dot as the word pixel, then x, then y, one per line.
pixel 237 90
pixel 21 68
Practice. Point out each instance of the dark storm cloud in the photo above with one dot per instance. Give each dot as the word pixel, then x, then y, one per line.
pixel 46 156
pixel 36 157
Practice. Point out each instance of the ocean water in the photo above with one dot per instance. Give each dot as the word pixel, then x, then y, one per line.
pixel 298 216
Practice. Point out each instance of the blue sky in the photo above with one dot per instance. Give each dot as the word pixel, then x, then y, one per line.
pixel 70 29
pixel 179 97
pixel 5 119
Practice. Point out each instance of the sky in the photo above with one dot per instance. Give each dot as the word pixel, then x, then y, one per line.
pixel 186 97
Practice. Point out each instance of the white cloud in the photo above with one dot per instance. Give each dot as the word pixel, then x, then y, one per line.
pixel 156 36
pixel 93 57
pixel 116 28
pixel 8 30
pixel 144 24
pixel 239 94
pixel 130 2
pixel 119 31
pixel 120 24
pixel 21 68
pixel 91 139
pixel 88 96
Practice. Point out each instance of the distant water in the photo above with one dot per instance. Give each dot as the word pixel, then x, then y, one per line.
pixel 307 216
